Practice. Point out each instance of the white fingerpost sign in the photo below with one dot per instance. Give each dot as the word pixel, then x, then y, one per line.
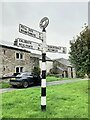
pixel 28 44
pixel 30 32
pixel 54 49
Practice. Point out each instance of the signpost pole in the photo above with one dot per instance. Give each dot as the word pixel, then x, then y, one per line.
pixel 43 81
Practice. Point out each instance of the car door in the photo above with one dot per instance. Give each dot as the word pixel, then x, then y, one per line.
pixel 30 79
pixel 35 79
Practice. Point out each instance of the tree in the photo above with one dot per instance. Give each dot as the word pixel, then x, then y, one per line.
pixel 80 53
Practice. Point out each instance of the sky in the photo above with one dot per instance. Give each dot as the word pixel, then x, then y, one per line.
pixel 66 20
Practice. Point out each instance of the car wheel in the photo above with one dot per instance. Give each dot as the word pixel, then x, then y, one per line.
pixel 25 84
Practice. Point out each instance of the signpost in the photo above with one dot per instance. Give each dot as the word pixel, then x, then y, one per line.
pixel 38 46
pixel 28 44
pixel 43 24
pixel 54 49
pixel 29 31
pixel 42 47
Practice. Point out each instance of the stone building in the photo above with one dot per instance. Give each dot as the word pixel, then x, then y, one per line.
pixel 14 59
pixel 64 68
pixel 49 62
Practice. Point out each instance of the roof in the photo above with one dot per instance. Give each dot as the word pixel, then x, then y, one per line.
pixel 64 61
pixel 40 56
pixel 14 47
pixel 60 68
pixel 25 50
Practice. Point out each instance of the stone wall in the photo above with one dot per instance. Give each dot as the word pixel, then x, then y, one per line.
pixel 69 71
pixel 55 63
pixel 34 62
pixel 9 62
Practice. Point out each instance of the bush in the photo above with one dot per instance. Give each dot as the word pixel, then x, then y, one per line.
pixel 5 85
pixel 54 70
pixel 36 70
pixel 80 74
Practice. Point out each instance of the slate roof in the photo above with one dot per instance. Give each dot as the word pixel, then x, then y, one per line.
pixel 40 56
pixel 60 68
pixel 14 47
pixel 64 61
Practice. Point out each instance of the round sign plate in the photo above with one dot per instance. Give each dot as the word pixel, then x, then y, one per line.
pixel 44 22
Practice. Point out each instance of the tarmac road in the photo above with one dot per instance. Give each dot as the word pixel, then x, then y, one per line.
pixel 48 84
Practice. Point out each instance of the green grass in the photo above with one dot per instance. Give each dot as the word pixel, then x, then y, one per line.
pixel 53 78
pixel 68 100
pixel 5 85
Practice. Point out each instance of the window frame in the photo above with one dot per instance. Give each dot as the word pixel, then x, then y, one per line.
pixel 20 54
pixel 19 69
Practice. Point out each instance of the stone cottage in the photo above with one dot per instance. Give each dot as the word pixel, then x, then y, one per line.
pixel 64 68
pixel 14 59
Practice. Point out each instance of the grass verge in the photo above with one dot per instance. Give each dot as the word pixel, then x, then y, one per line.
pixel 5 85
pixel 52 78
pixel 63 101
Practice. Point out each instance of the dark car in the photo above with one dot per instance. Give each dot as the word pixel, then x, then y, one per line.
pixel 25 80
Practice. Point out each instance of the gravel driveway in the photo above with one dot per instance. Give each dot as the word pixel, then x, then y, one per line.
pixel 48 84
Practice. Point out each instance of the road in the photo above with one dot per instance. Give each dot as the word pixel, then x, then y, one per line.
pixel 48 84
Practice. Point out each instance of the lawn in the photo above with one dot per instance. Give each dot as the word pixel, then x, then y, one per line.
pixel 53 78
pixel 5 85
pixel 68 100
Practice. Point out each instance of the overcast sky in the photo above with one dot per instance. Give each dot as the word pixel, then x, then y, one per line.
pixel 66 21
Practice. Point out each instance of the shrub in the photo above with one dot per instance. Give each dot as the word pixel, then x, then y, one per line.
pixel 36 70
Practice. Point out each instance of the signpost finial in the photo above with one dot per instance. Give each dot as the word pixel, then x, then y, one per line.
pixel 44 23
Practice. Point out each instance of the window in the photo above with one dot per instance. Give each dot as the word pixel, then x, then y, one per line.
pixel 21 69
pixel 4 69
pixel 19 56
pixel 18 69
pixel 4 52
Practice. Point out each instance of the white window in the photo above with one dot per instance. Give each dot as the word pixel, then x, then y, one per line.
pixel 18 69
pixel 19 56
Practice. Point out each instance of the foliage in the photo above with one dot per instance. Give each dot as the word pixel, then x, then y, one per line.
pixel 63 101
pixel 54 78
pixel 5 85
pixel 53 70
pixel 36 70
pixel 79 54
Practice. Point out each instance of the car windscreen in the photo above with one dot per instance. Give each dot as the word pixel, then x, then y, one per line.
pixel 23 74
